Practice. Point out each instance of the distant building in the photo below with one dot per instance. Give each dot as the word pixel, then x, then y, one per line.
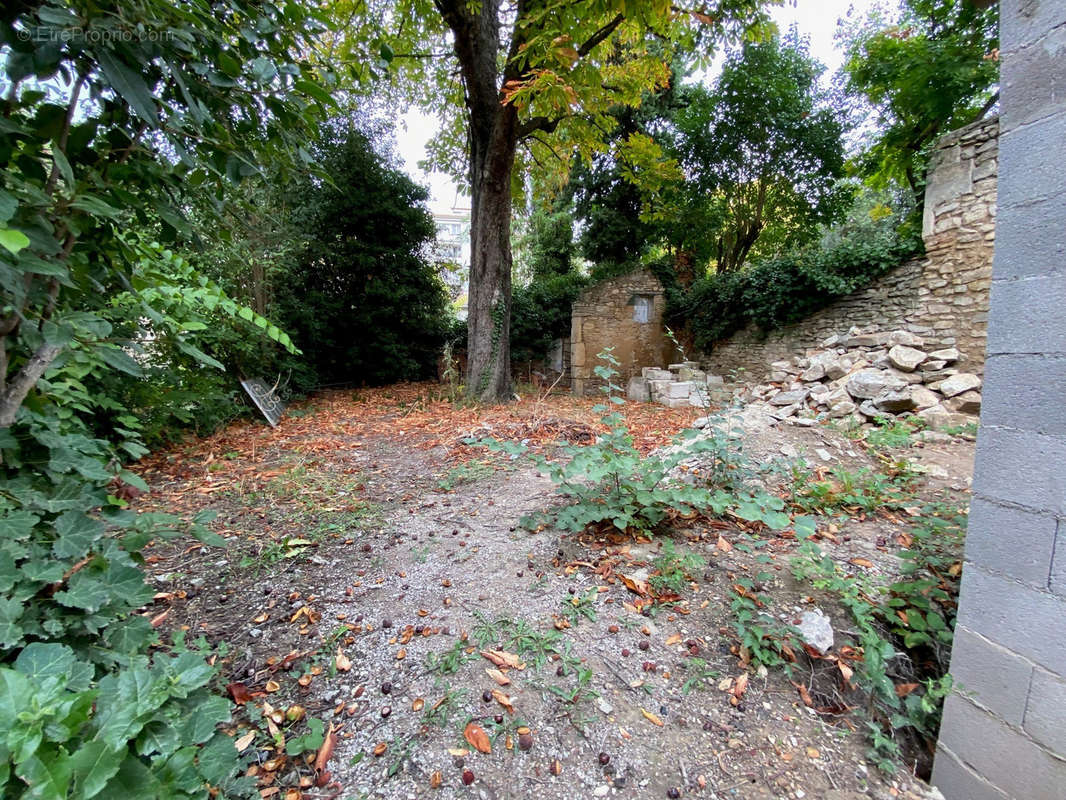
pixel 452 253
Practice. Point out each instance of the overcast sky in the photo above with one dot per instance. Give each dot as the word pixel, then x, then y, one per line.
pixel 816 20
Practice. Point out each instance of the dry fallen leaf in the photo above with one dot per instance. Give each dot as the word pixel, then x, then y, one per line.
pixel 272 686
pixel 723 544
pixel 239 692
pixel 435 779
pixel 652 718
pixel 477 737
pixel 861 562
pixel 242 743
pixel 326 750
pixel 503 700
pixel 636 585
pixel 812 752
pixel 503 659
pixel 342 661
pixel 498 676
pixel 672 640
pixel 379 749
pixel 418 704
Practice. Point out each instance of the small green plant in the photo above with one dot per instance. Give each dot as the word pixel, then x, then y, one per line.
pixel 896 432
pixel 700 675
pixel 448 662
pixel 904 628
pixel 470 472
pixel 575 607
pixel 612 482
pixel 674 570
pixel 440 712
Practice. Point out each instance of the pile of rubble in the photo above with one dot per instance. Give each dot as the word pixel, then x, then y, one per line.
pixel 678 385
pixel 854 377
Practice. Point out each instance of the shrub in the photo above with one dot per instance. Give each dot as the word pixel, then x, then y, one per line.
pixel 783 290
pixel 540 314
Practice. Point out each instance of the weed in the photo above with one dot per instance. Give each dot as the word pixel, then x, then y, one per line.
pixel 674 569
pixel 575 607
pixel 440 712
pixel 448 662
pixel 469 472
pixel 487 632
pixel 700 675
pixel 904 628
pixel 863 489
pixel 896 432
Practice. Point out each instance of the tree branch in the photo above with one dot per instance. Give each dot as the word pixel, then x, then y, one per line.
pixel 15 392
pixel 600 35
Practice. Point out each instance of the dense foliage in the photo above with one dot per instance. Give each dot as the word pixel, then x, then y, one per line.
pixel 361 298
pixel 108 114
pixel 540 314
pixel 762 156
pixel 931 71
pixel 788 288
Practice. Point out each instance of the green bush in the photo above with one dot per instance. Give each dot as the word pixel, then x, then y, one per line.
pixel 783 290
pixel 540 313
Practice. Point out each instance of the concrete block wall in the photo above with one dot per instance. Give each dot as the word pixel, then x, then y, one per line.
pixel 1004 729
pixel 603 316
pixel 942 297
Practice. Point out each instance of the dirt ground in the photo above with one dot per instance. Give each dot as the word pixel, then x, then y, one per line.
pixel 372 558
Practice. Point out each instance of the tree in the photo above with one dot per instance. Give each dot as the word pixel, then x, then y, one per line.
pixel 361 297
pixel 762 157
pixel 108 114
pixel 540 74
pixel 931 72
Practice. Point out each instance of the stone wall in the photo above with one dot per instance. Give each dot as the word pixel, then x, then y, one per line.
pixel 605 315
pixel 942 297
pixel 1004 729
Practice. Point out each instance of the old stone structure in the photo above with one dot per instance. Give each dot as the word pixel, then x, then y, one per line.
pixel 943 297
pixel 625 313
pixel 1004 729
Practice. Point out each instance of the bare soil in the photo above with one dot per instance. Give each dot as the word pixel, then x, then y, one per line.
pixel 371 556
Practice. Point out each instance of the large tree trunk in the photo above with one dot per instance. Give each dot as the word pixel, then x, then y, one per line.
pixel 493 131
pixel 488 371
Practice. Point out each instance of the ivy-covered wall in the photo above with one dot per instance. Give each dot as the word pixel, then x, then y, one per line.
pixel 942 297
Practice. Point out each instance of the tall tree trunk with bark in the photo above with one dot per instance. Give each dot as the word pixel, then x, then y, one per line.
pixel 493 130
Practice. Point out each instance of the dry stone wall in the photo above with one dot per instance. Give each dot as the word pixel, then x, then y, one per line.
pixel 625 313
pixel 943 297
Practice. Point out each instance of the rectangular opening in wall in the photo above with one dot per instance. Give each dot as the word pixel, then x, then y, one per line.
pixel 642 308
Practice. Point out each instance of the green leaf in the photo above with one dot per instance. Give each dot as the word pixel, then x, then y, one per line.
pixel 201 724
pixel 218 760
pixel 13 241
pixel 91 204
pixel 77 534
pixel 119 359
pixel 8 206
pixel 10 614
pixel 130 85
pixel 41 660
pixel 94 764
pixel 49 776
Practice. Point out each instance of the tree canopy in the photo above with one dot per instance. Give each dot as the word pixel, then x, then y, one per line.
pixel 931 71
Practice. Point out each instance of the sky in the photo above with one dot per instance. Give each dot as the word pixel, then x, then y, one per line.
pixel 815 19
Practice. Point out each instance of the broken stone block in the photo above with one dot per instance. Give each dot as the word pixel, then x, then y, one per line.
pixel 869 383
pixel 957 384
pixel 816 630
pixel 841 409
pixel 785 412
pixel 894 402
pixel 679 389
pixel 675 402
pixel 815 372
pixel 638 390
pixel 948 354
pixel 870 411
pixel 965 403
pixel 789 398
pixel 833 340
pixel 937 417
pixel 657 388
pixel 904 338
pixel 930 365
pixel 657 374
pixel 904 358
pixel 715 380
pixel 924 398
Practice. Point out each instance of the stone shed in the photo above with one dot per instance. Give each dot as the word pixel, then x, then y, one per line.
pixel 626 313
